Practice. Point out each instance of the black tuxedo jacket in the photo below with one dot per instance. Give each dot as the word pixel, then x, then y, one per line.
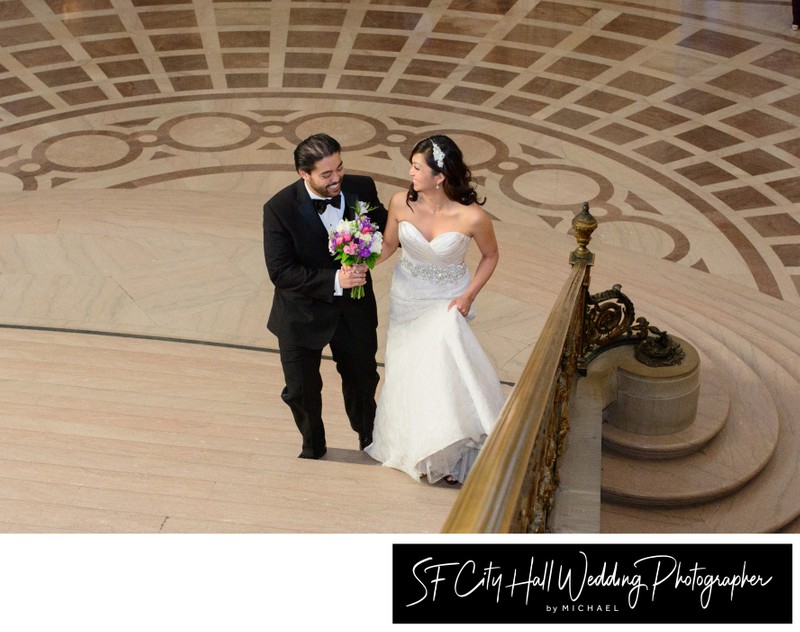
pixel 305 311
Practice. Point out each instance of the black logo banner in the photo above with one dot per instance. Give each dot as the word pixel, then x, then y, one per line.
pixel 592 583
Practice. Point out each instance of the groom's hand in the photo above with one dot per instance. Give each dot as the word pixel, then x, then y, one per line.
pixel 353 276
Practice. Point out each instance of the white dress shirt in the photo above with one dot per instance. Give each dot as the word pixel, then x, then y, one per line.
pixel 330 218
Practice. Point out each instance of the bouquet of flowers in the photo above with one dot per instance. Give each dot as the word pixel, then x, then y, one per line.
pixel 356 241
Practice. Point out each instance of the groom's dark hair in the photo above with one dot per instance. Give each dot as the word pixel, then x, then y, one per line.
pixel 313 149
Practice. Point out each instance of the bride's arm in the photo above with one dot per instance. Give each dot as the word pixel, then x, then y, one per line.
pixel 390 238
pixel 483 234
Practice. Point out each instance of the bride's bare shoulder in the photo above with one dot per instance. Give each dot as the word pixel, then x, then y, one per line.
pixel 398 198
pixel 475 214
pixel 398 206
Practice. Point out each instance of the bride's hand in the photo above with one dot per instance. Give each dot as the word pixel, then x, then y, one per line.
pixel 462 304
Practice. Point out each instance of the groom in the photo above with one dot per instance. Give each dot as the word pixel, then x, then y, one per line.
pixel 311 306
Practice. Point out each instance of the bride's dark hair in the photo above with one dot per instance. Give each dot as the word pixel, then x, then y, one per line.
pixel 443 156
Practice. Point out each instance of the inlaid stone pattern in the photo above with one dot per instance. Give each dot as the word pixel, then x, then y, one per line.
pixel 681 132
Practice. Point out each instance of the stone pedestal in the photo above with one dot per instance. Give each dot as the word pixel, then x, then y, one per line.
pixel 656 400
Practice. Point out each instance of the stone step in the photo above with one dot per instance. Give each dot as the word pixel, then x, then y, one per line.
pixel 712 413
pixel 729 461
pixel 713 408
pixel 754 341
pixel 735 329
pixel 767 503
pixel 724 453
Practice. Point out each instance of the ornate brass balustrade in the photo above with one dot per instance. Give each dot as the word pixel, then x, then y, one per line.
pixel 512 485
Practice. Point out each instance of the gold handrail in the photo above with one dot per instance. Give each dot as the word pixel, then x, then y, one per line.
pixel 505 486
pixel 489 502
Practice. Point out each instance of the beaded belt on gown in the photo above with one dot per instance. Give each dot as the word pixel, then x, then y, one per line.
pixel 437 275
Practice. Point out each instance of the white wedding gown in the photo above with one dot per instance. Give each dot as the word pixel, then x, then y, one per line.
pixel 441 395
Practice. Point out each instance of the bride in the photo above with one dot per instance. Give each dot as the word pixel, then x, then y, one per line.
pixel 441 395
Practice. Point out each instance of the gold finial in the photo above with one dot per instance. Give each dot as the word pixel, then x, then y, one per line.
pixel 583 225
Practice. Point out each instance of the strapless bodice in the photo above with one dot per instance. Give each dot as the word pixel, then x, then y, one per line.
pixel 443 250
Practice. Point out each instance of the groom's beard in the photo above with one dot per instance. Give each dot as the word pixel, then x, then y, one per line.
pixel 329 190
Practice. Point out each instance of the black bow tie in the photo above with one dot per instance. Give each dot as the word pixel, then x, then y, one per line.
pixel 322 205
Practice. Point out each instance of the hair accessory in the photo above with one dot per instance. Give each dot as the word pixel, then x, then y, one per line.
pixel 438 155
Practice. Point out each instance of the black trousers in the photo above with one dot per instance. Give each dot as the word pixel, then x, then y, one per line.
pixel 353 351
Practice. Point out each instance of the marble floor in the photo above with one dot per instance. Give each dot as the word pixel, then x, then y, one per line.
pixel 139 139
pixel 676 121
